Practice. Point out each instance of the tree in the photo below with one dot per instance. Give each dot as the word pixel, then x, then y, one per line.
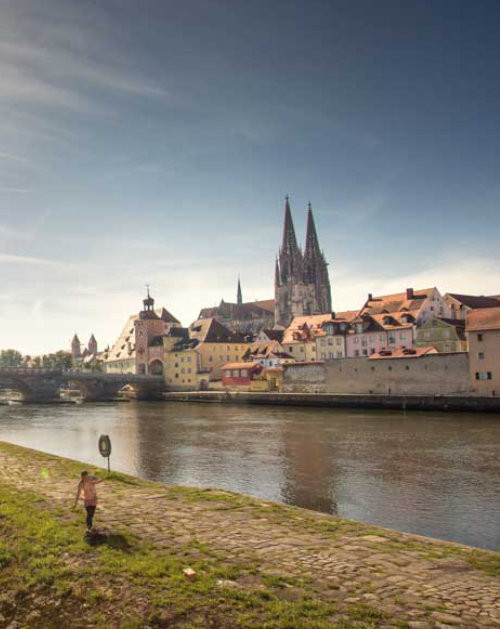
pixel 59 360
pixel 10 358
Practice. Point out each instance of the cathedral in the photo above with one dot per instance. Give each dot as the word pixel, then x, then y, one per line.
pixel 301 283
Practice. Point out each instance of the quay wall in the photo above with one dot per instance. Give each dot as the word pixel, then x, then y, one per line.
pixel 325 400
pixel 434 374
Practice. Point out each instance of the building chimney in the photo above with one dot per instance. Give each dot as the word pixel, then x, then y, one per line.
pixel 409 293
pixel 370 297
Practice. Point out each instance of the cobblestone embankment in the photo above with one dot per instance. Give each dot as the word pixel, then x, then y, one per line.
pixel 256 563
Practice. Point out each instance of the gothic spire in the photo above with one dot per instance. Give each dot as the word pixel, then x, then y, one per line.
pixel 289 244
pixel 239 297
pixel 312 252
pixel 277 274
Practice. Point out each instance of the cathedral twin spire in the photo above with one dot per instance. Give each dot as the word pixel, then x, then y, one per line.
pixel 306 270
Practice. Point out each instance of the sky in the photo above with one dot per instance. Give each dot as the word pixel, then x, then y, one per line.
pixel 154 142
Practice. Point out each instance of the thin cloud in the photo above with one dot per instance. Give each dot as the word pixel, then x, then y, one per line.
pixel 15 190
pixel 8 258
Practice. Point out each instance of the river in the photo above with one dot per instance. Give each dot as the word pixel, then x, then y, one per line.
pixel 435 474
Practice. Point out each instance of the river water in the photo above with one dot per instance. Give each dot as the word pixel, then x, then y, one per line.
pixel 435 474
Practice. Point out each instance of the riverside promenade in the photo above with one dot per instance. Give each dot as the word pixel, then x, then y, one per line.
pixel 187 557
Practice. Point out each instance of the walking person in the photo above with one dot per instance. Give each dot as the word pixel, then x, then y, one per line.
pixel 87 486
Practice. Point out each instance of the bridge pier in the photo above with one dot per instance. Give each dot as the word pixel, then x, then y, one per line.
pixel 96 390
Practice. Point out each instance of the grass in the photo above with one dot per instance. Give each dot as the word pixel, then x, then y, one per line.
pixel 47 569
pixel 45 558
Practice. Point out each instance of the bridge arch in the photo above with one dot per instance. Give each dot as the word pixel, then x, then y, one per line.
pixel 155 367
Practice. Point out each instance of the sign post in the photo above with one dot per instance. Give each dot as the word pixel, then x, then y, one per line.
pixel 105 447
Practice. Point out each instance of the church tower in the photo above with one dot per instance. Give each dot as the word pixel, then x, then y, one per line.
pixel 92 346
pixel 316 267
pixel 301 283
pixel 76 347
pixel 239 295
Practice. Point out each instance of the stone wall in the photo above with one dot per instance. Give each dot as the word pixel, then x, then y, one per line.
pixel 434 374
pixel 304 378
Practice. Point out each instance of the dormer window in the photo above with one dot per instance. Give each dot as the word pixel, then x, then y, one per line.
pixel 359 328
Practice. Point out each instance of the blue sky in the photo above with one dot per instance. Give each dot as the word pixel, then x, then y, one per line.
pixel 154 142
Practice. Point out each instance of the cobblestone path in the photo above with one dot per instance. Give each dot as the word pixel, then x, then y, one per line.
pixel 416 582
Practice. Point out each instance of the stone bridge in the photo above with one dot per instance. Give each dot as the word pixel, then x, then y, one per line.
pixel 44 385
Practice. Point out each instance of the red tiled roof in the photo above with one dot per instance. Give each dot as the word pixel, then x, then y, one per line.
pixel 267 304
pixel 241 366
pixel 483 319
pixel 412 352
pixel 475 301
pixel 397 301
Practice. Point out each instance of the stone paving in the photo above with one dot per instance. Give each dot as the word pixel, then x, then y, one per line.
pixel 417 582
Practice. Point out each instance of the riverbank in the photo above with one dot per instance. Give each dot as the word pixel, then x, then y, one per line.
pixel 256 564
pixel 398 402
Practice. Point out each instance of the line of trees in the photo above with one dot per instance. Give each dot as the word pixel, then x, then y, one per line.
pixel 13 358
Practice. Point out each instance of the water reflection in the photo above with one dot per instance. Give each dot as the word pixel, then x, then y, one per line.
pixel 427 473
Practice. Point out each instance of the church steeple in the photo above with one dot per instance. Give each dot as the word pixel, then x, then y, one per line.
pixel 149 302
pixel 76 347
pixel 289 244
pixel 239 297
pixel 312 245
pixel 290 256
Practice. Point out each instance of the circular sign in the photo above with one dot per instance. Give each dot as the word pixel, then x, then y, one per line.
pixel 104 445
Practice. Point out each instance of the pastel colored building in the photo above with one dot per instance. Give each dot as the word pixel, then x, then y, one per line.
pixel 483 333
pixel 425 303
pixel 267 353
pixel 239 374
pixel 194 361
pixel 370 334
pixel 139 348
pixel 460 305
pixel 446 335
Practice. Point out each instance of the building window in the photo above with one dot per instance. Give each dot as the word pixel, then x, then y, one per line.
pixel 402 335
pixel 356 339
pixel 381 337
pixel 479 337
pixel 244 373
pixel 302 349
pixel 330 341
pixel 189 371
pixel 480 355
pixel 392 339
pixel 365 352
pixel 356 352
pixel 339 354
pixel 483 375
pixel 210 359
